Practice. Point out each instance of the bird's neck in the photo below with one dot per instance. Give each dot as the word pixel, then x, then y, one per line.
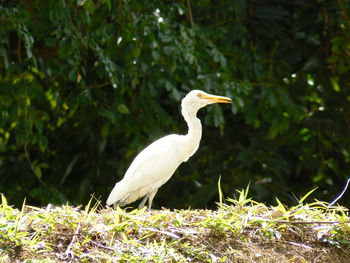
pixel 194 128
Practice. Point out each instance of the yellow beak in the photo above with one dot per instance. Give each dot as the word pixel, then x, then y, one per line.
pixel 217 99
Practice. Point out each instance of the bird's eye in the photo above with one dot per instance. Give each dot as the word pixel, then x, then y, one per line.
pixel 199 95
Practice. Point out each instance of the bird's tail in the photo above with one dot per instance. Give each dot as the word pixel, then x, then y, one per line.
pixel 118 195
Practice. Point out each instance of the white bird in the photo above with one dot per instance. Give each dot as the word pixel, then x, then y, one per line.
pixel 155 164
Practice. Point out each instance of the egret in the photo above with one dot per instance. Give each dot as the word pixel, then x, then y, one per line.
pixel 155 164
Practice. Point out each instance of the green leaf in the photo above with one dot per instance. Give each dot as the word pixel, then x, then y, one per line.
pixel 37 171
pixel 123 109
pixel 221 196
pixel 136 52
pixel 108 3
pixel 3 200
pixel 109 115
pixel 176 94
pixel 105 130
pixel 39 124
pixel 218 116
pixel 73 75
pixel 155 55
pixel 169 86
pixel 50 42
pixel 335 84
pixel 301 200
pixel 42 143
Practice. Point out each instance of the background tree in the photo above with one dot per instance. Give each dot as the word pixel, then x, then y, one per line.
pixel 87 84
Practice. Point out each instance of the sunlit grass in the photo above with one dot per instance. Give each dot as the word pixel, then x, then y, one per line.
pixel 240 230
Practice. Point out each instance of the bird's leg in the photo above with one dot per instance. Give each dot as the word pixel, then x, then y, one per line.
pixel 142 204
pixel 150 198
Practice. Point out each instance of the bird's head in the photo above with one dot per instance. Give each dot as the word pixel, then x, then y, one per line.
pixel 197 99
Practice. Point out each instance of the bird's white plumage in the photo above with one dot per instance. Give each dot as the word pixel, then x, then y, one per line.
pixel 154 165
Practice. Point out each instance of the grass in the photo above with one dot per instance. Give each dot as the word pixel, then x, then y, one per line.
pixel 240 230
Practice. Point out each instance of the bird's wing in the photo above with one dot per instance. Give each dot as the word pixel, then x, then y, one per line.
pixel 150 169
pixel 158 161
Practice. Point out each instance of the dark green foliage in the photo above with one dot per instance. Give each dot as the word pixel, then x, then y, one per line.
pixel 85 85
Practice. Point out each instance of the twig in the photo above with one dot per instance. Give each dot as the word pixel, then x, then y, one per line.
pixel 190 12
pixel 341 194
pixel 99 245
pixel 343 12
pixel 296 244
pixel 221 23
pixel 162 232
pixel 302 222
pixel 212 247
pixel 27 155
pixel 26 152
pixel 69 248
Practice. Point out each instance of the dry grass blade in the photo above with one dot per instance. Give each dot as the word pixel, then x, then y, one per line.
pixel 243 231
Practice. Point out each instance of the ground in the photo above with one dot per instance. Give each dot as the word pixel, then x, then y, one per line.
pixel 239 231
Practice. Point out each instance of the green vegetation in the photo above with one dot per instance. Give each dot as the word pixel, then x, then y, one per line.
pixel 240 231
pixel 85 85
